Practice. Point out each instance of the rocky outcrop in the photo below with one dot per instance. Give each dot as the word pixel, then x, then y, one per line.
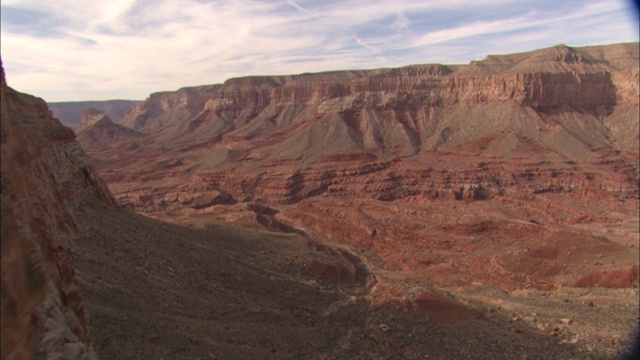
pixel 97 129
pixel 92 117
pixel 70 113
pixel 45 175
pixel 167 108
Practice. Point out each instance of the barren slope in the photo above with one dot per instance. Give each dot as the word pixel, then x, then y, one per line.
pixel 160 290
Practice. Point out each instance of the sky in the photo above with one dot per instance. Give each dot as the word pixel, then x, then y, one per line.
pixel 76 50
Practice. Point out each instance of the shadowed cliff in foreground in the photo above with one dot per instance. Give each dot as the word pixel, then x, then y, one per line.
pixel 45 176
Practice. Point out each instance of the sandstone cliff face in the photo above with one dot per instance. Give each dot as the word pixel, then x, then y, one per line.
pixel 404 111
pixel 45 175
pixel 553 106
pixel 532 137
pixel 167 108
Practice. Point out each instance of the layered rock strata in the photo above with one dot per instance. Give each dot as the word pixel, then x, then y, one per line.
pixel 535 137
pixel 45 175
pixel 166 108
pixel 411 109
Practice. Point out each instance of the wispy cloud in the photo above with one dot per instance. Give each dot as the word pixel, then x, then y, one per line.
pixel 78 50
pixel 296 5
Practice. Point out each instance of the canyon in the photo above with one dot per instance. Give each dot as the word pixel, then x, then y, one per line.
pixel 417 164
pixel 83 277
pixel 514 174
pixel 428 211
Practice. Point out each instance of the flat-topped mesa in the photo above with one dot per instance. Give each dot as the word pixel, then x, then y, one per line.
pixel 587 78
pixel 262 91
pixel 547 77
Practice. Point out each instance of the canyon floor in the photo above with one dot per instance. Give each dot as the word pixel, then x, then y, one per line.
pixel 517 275
pixel 160 290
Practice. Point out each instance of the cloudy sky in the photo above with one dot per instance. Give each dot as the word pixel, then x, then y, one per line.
pixel 71 50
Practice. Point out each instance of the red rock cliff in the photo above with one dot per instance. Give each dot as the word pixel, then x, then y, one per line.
pixel 380 110
pixel 392 160
pixel 45 175
pixel 165 108
pixel 553 105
